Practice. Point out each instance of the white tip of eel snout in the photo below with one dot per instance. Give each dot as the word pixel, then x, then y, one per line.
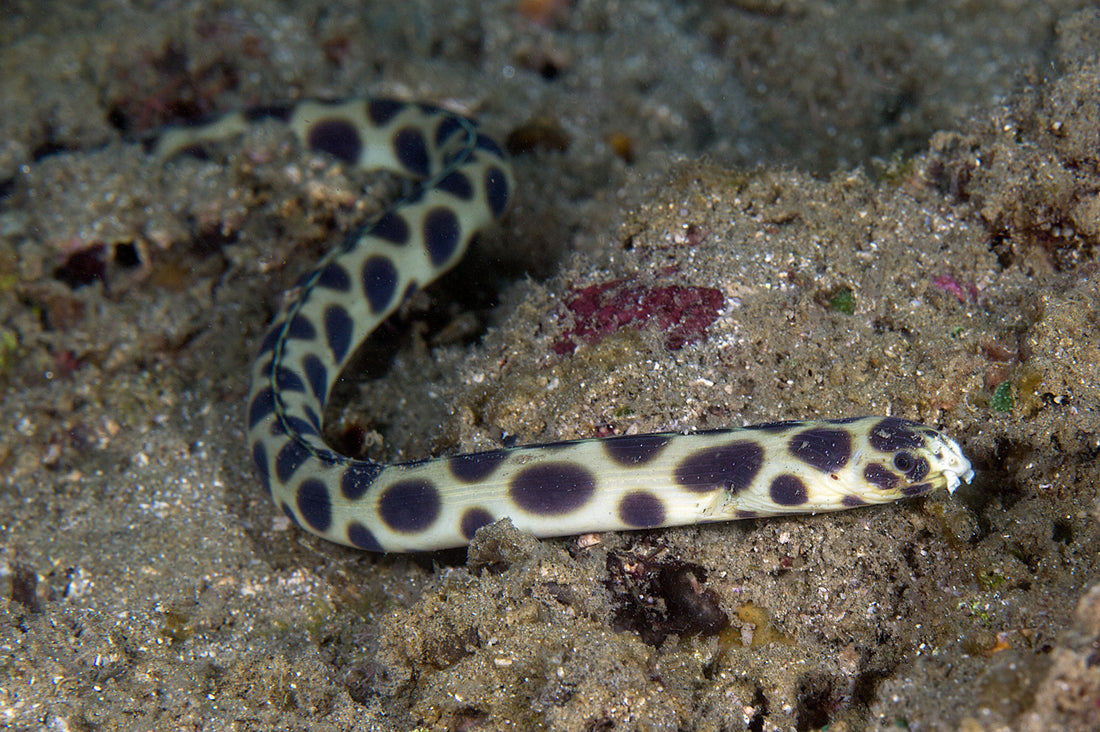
pixel 956 467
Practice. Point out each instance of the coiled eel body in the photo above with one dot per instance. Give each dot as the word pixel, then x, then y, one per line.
pixel 464 182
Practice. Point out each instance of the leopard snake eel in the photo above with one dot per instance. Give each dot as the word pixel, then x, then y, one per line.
pixel 464 182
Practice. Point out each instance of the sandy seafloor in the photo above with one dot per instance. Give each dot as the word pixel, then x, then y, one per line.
pixel 898 205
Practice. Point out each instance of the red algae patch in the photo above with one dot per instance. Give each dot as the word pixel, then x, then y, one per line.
pixel 682 312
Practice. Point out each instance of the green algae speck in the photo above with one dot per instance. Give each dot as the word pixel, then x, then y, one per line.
pixel 1002 398
pixel 844 301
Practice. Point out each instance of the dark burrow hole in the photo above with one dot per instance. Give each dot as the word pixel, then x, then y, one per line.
pixel 817 702
pixel 658 599
pixel 1062 531
pixel 760 711
pixel 94 262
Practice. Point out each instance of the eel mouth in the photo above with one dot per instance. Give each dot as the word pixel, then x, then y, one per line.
pixel 956 468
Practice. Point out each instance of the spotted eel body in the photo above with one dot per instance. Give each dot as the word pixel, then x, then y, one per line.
pixel 630 482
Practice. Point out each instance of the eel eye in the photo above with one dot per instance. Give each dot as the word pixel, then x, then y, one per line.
pixel 903 461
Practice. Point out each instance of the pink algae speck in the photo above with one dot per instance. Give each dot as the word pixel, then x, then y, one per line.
pixel 964 292
pixel 683 313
